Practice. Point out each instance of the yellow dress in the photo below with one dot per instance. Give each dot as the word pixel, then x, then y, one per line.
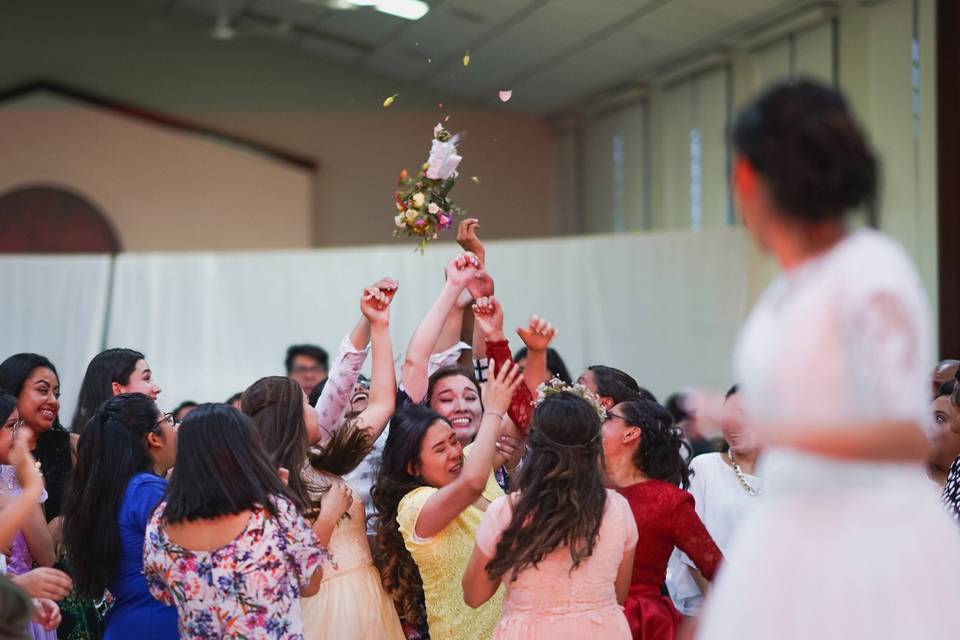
pixel 442 560
pixel 351 603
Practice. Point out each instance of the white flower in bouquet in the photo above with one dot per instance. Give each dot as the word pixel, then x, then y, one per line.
pixel 418 199
pixel 412 215
pixel 400 220
pixel 443 161
pixel 433 208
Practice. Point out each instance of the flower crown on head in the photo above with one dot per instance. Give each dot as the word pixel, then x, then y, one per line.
pixel 556 385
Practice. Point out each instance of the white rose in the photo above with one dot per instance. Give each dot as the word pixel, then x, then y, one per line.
pixel 412 215
pixel 399 219
pixel 433 208
pixel 418 199
pixel 443 161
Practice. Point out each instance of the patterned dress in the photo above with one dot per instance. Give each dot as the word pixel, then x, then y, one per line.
pixel 951 492
pixel 248 588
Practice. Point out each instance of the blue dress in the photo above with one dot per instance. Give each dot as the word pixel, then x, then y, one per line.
pixel 135 613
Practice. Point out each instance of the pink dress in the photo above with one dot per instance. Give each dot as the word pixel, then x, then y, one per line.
pixel 551 603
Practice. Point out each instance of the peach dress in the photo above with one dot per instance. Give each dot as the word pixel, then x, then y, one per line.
pixel 551 603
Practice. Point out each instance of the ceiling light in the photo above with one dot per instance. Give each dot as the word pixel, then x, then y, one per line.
pixel 406 9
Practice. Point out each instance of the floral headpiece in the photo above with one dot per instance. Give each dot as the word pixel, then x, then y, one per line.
pixel 556 385
pixel 423 204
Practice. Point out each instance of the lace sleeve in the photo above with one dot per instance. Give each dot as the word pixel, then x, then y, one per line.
pixel 335 396
pixel 521 405
pixel 693 538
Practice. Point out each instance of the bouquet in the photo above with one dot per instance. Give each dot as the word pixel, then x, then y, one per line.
pixel 423 204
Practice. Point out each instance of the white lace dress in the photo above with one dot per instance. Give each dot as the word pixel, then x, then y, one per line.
pixel 839 549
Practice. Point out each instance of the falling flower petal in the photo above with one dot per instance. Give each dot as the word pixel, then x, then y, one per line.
pixel 466 59
pixel 389 101
pixel 475 179
pixel 439 105
pixel 446 118
pixel 505 95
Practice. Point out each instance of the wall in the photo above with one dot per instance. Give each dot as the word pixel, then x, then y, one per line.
pixel 276 95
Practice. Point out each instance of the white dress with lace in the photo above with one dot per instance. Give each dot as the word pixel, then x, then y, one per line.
pixel 839 549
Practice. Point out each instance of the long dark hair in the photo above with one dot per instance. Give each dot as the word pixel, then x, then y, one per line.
pixel 560 484
pixel 398 571
pixel 617 384
pixel 275 404
pixel 221 468
pixel 8 403
pixel 53 450
pixel 112 450
pixel 802 139
pixel 662 453
pixel 107 367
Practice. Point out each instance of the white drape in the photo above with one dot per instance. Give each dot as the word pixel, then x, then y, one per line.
pixel 55 306
pixel 664 307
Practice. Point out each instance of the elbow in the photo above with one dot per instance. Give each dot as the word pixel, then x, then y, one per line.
pixel 471 597
pixel 476 484
pixel 314 587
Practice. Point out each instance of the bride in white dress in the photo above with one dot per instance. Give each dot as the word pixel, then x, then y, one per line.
pixel 847 540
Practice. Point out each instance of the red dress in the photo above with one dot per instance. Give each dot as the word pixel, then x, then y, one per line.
pixel 665 519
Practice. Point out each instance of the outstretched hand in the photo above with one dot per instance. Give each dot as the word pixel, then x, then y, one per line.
pixel 500 386
pixel 538 334
pixel 376 299
pixel 467 238
pixel 462 269
pixel 488 315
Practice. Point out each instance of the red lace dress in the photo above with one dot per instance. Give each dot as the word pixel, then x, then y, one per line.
pixel 521 405
pixel 665 519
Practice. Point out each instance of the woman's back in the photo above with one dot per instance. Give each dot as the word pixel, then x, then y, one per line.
pixel 549 600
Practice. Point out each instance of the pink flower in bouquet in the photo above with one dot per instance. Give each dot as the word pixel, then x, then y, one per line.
pixel 443 160
pixel 421 223
pixel 444 221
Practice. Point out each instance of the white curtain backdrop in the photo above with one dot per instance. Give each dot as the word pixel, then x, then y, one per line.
pixel 55 306
pixel 664 307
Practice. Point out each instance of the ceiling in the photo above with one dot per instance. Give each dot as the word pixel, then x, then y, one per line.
pixel 552 54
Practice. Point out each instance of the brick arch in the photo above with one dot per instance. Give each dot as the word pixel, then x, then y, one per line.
pixel 53 219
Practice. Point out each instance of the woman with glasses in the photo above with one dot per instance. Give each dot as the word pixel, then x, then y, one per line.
pixel 126 450
pixel 645 461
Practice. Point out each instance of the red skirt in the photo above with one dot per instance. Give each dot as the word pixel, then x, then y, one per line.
pixel 650 614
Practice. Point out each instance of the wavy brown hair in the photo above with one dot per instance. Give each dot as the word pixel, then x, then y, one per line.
pixel 398 571
pixel 560 485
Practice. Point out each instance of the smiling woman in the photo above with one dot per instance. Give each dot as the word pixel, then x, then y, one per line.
pixel 110 373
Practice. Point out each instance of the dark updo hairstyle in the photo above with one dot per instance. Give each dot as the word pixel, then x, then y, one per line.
pixel 618 385
pixel 560 484
pixel 53 449
pixel 662 453
pixel 113 450
pixel 398 571
pixel 107 367
pixel 555 364
pixel 802 139
pixel 221 468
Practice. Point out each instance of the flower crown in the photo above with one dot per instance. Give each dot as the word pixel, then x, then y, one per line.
pixel 556 385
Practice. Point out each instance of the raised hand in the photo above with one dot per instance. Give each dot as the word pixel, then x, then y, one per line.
pixel 467 238
pixel 481 286
pixel 500 387
pixel 489 317
pixel 538 334
pixel 375 302
pixel 337 501
pixel 462 269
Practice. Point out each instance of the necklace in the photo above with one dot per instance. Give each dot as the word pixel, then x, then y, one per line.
pixel 743 480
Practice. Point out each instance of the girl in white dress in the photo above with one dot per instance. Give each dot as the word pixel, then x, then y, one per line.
pixel 847 540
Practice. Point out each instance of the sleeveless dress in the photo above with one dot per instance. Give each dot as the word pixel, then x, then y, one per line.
pixel 838 549
pixel 351 603
pixel 551 603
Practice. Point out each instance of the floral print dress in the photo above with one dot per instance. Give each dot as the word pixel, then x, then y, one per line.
pixel 249 588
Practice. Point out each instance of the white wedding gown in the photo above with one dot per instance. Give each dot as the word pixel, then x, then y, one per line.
pixel 839 549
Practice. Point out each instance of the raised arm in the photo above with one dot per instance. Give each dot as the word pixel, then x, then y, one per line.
pixel 450 501
pixel 415 365
pixel 375 307
pixel 19 509
pixel 335 397
pixel 537 335
pixel 489 318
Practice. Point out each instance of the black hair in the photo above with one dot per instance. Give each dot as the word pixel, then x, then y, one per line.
pixel 674 405
pixel 113 450
pixel 186 404
pixel 617 384
pixel 53 450
pixel 310 350
pixel 221 468
pixel 107 367
pixel 555 364
pixel 661 454
pixel 802 139
pixel 8 402
pixel 732 391
pixel 15 611
pixel 233 398
pixel 398 571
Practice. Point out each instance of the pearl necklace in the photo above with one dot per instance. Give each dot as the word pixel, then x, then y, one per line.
pixel 743 480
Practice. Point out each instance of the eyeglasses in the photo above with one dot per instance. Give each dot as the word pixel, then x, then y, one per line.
pixel 167 417
pixel 13 425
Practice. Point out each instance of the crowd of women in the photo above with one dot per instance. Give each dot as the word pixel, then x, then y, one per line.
pixel 477 494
